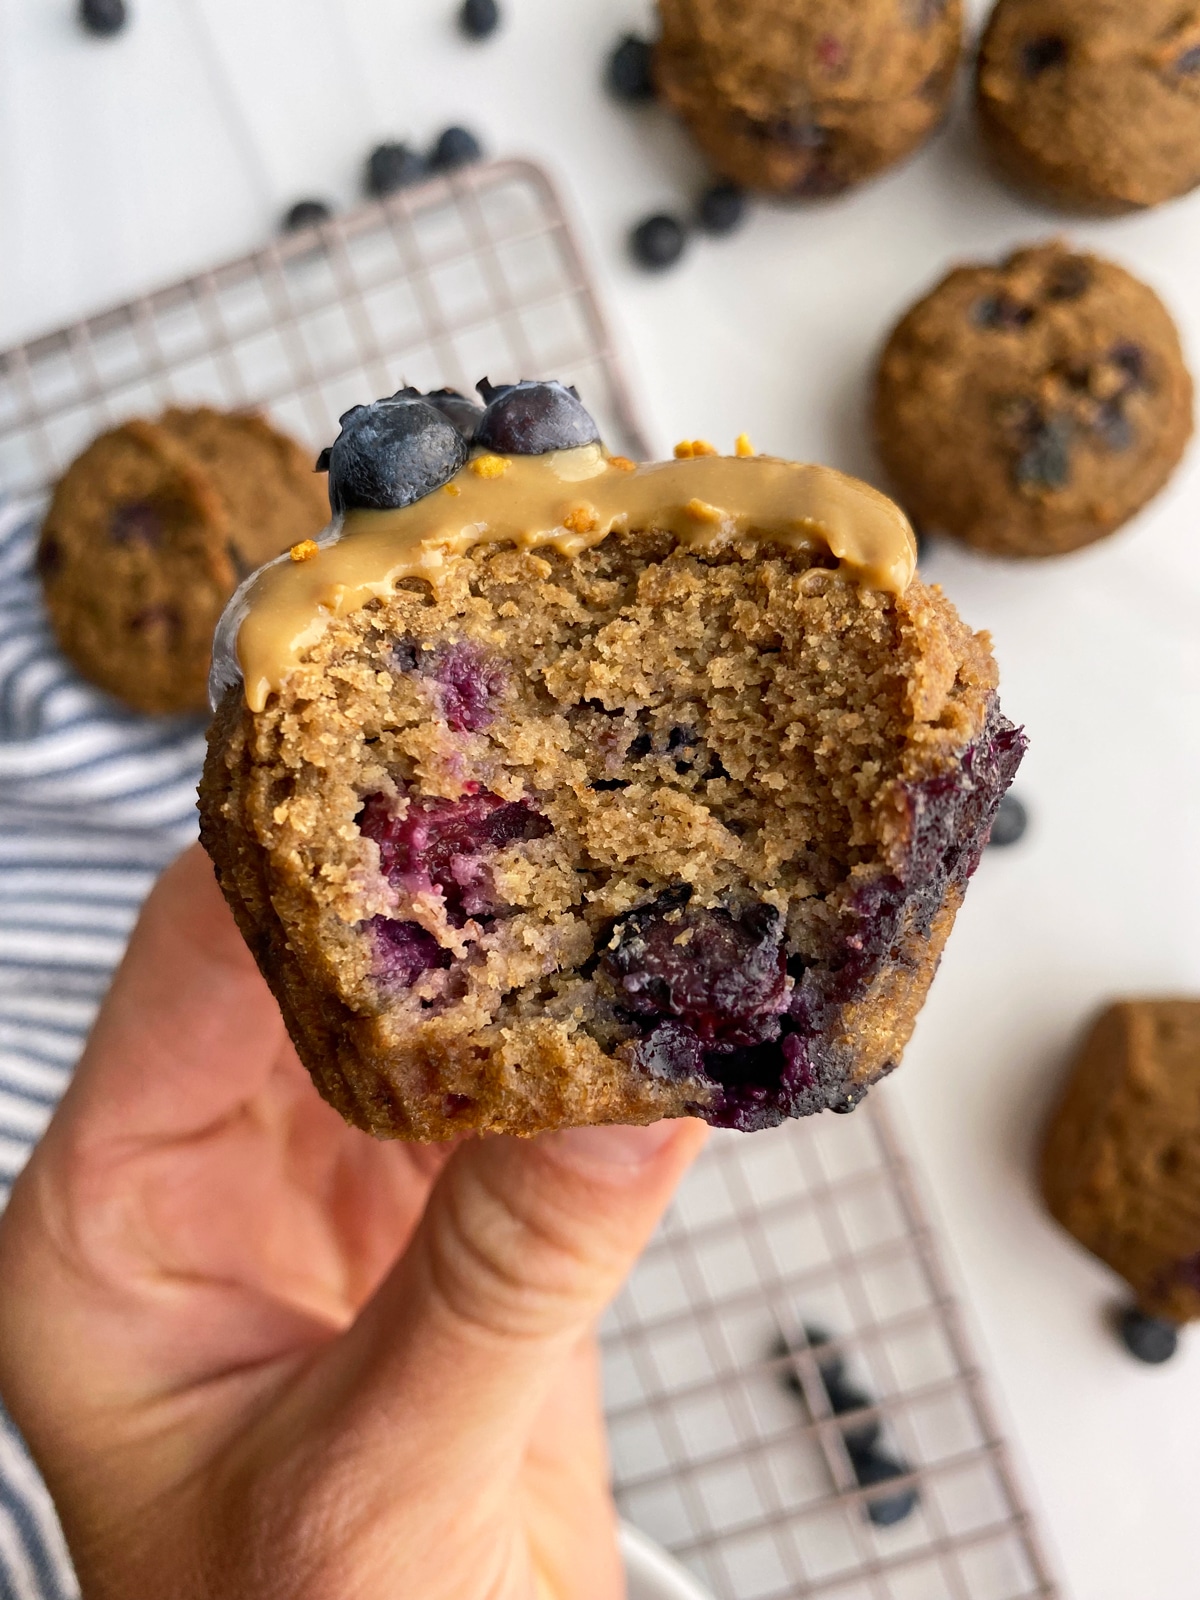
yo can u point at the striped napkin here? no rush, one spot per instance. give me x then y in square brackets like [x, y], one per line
[94, 802]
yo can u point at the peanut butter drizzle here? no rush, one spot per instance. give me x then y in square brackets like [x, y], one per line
[569, 500]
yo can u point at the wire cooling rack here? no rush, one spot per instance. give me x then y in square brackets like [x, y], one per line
[475, 275]
[787, 1253]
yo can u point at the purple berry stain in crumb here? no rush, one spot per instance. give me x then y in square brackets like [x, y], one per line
[135, 523]
[1045, 461]
[468, 683]
[832, 54]
[466, 679]
[724, 977]
[1039, 55]
[1189, 62]
[405, 950]
[444, 845]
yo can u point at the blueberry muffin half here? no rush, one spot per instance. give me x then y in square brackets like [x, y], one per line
[552, 789]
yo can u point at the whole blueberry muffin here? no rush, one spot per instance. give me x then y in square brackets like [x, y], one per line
[1120, 1166]
[807, 97]
[1095, 103]
[550, 789]
[1033, 407]
[150, 531]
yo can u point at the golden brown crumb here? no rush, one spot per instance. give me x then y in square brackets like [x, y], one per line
[622, 463]
[581, 519]
[305, 550]
[742, 445]
[489, 466]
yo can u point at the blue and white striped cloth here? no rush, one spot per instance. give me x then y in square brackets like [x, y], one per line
[94, 801]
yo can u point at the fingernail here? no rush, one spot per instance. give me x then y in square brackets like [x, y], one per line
[612, 1146]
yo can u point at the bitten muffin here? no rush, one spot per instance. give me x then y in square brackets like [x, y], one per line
[596, 793]
[1120, 1166]
[148, 534]
[1094, 103]
[807, 97]
[1032, 407]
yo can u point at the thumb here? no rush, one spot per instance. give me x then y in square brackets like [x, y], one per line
[522, 1244]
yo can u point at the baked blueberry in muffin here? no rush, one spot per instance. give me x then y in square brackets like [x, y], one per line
[580, 791]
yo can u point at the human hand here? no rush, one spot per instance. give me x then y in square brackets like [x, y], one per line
[260, 1356]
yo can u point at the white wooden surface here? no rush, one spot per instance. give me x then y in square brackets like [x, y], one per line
[125, 163]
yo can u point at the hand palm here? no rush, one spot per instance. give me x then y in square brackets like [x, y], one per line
[223, 1229]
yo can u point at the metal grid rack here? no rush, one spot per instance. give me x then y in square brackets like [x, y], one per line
[724, 1444]
[744, 1476]
[465, 277]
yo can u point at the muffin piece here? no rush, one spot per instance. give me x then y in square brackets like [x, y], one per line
[807, 97]
[148, 534]
[1121, 1161]
[1094, 103]
[1033, 407]
[606, 794]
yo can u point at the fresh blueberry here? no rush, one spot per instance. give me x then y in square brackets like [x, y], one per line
[456, 408]
[630, 73]
[390, 454]
[479, 18]
[1012, 820]
[874, 1466]
[455, 147]
[722, 976]
[721, 208]
[1040, 54]
[103, 17]
[658, 242]
[531, 418]
[393, 166]
[1151, 1339]
[1131, 359]
[306, 214]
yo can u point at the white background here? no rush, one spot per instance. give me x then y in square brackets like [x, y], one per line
[126, 163]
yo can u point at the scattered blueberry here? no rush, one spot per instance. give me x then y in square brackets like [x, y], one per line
[1189, 61]
[845, 1399]
[630, 74]
[873, 1466]
[103, 17]
[1040, 54]
[1150, 1339]
[531, 418]
[390, 454]
[722, 208]
[658, 242]
[479, 18]
[456, 408]
[1012, 820]
[306, 214]
[393, 166]
[455, 147]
